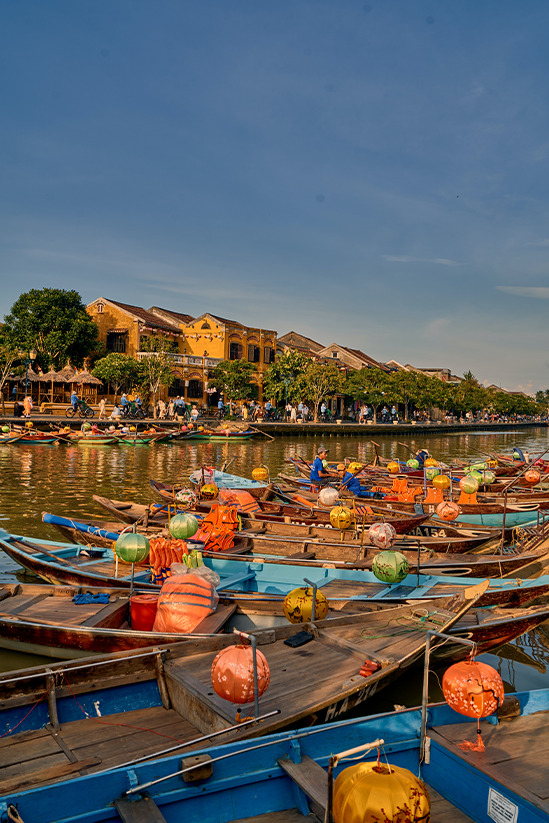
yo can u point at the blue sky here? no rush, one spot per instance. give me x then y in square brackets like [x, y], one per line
[369, 173]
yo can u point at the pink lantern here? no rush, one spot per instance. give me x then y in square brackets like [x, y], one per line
[233, 674]
[382, 535]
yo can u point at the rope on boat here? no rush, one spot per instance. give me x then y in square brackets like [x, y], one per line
[416, 621]
[14, 815]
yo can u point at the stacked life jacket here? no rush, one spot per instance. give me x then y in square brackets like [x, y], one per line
[218, 528]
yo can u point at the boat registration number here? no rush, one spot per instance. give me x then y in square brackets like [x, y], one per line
[500, 808]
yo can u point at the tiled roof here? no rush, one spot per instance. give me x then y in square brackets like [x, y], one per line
[181, 318]
[146, 316]
[317, 346]
[364, 357]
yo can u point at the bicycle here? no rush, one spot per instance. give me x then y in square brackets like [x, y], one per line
[133, 411]
[82, 410]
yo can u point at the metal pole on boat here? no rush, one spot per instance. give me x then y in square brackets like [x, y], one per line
[253, 641]
[314, 588]
[423, 756]
[418, 556]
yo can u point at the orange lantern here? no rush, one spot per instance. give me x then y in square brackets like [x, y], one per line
[233, 674]
[448, 510]
[393, 468]
[430, 462]
[474, 689]
[532, 476]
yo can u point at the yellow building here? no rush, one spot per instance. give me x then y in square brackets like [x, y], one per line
[201, 343]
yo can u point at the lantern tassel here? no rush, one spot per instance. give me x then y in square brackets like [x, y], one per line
[479, 746]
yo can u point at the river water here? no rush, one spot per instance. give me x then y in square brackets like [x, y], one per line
[62, 479]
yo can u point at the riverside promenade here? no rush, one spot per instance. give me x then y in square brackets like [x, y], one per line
[44, 422]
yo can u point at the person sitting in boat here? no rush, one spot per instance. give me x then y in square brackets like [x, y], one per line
[319, 475]
[421, 457]
[350, 481]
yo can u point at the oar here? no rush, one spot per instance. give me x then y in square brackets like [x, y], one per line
[260, 432]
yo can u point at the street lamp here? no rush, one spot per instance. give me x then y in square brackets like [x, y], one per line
[31, 357]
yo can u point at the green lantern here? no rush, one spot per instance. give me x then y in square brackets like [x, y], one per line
[412, 463]
[132, 547]
[487, 477]
[183, 526]
[390, 566]
[431, 472]
[476, 475]
[468, 484]
[86, 427]
[6, 429]
[477, 467]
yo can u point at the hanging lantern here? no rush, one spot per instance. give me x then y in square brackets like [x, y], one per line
[371, 792]
[183, 526]
[448, 510]
[209, 491]
[393, 467]
[5, 429]
[260, 474]
[532, 476]
[201, 428]
[476, 467]
[341, 517]
[186, 497]
[487, 478]
[355, 467]
[390, 566]
[468, 484]
[132, 547]
[476, 475]
[516, 455]
[441, 481]
[298, 605]
[431, 472]
[412, 463]
[382, 535]
[133, 428]
[233, 674]
[86, 427]
[472, 688]
[29, 424]
[328, 496]
[492, 464]
[430, 462]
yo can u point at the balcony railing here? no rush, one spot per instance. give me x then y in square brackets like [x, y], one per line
[185, 359]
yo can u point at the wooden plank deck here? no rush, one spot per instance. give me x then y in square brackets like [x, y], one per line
[516, 755]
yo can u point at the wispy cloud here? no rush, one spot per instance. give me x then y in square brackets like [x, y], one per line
[540, 292]
[539, 244]
[439, 261]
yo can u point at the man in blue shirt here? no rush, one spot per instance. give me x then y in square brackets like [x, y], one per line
[319, 476]
[74, 400]
[350, 481]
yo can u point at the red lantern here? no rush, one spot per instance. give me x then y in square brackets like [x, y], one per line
[233, 674]
[474, 689]
[532, 477]
[448, 510]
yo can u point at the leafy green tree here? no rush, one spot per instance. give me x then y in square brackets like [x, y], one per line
[8, 355]
[55, 323]
[233, 378]
[120, 370]
[279, 380]
[371, 386]
[156, 369]
[318, 382]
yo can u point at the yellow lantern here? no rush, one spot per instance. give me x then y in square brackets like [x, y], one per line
[132, 428]
[341, 517]
[371, 792]
[430, 462]
[393, 468]
[260, 474]
[441, 481]
[209, 491]
[492, 464]
[29, 424]
[355, 467]
[298, 605]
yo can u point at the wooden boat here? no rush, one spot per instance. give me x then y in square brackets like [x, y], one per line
[316, 545]
[74, 564]
[302, 512]
[222, 435]
[207, 474]
[434, 537]
[142, 754]
[171, 687]
[30, 437]
[40, 618]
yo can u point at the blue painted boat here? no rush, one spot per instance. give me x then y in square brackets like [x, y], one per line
[282, 777]
[75, 564]
[224, 480]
